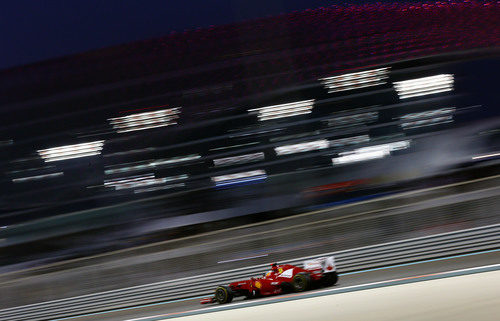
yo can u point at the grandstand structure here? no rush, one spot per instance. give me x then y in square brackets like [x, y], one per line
[244, 116]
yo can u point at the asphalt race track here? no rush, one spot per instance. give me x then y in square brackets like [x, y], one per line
[466, 297]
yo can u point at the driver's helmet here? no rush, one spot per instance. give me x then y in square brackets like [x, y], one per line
[274, 267]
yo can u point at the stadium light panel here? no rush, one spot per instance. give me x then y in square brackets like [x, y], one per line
[238, 178]
[353, 120]
[284, 110]
[356, 80]
[157, 188]
[349, 141]
[369, 153]
[427, 118]
[71, 151]
[141, 181]
[240, 159]
[424, 86]
[359, 156]
[147, 120]
[302, 147]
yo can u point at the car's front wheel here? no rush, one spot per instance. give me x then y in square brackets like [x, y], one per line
[223, 294]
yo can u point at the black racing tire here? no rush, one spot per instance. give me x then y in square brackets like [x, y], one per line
[329, 279]
[301, 282]
[223, 294]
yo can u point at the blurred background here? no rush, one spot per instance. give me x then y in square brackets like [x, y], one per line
[261, 133]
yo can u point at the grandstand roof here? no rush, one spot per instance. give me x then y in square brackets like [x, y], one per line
[270, 52]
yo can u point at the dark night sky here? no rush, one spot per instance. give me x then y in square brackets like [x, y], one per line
[36, 30]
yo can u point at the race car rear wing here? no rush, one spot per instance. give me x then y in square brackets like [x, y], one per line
[327, 264]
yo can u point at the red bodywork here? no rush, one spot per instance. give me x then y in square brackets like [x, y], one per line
[271, 282]
[278, 280]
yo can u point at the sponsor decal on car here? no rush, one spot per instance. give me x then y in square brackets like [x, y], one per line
[287, 274]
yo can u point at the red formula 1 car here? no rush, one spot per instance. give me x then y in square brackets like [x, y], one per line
[282, 278]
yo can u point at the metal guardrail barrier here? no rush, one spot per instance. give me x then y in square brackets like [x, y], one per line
[445, 244]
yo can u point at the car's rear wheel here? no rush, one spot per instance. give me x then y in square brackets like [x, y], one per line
[301, 282]
[329, 279]
[223, 294]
